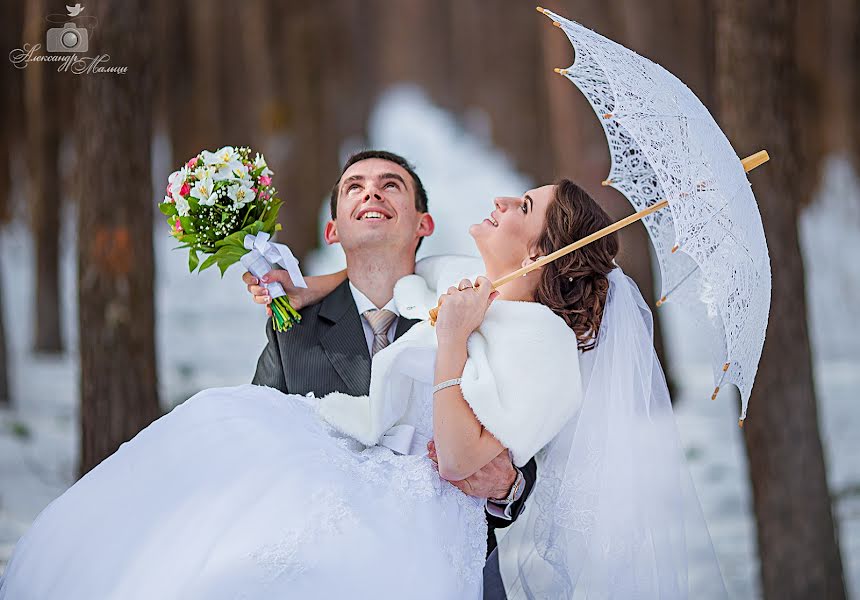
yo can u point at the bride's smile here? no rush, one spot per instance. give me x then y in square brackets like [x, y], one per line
[507, 237]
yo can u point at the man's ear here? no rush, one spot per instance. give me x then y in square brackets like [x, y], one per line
[426, 226]
[330, 234]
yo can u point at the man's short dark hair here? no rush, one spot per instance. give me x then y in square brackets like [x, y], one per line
[420, 192]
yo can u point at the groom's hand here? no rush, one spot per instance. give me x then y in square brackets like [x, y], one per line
[493, 481]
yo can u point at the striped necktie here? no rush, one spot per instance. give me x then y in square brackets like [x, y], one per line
[380, 321]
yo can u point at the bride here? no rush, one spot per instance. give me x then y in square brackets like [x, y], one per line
[246, 492]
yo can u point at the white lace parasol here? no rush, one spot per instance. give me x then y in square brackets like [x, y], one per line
[665, 145]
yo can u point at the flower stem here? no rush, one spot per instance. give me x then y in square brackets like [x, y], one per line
[284, 316]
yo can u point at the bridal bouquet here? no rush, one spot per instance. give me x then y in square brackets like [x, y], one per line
[222, 204]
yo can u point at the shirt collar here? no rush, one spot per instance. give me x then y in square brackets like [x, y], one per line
[363, 303]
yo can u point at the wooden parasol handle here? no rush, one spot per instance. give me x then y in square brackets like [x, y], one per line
[749, 163]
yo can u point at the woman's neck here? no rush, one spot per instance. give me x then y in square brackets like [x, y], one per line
[521, 289]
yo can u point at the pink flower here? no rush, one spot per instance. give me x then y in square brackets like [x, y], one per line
[191, 163]
[185, 189]
[167, 191]
[177, 227]
[265, 180]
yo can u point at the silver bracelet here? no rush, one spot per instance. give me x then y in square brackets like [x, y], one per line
[446, 384]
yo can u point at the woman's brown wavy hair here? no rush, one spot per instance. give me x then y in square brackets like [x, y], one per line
[575, 286]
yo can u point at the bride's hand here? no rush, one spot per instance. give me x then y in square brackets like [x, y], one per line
[462, 309]
[319, 287]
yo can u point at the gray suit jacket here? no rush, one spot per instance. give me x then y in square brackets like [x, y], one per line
[325, 352]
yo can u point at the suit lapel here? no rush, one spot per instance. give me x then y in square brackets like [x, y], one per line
[344, 341]
[404, 325]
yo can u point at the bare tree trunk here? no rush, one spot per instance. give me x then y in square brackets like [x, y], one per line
[43, 139]
[497, 48]
[11, 110]
[312, 164]
[757, 79]
[854, 69]
[115, 267]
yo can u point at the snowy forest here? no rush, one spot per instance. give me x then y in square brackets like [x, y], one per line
[103, 330]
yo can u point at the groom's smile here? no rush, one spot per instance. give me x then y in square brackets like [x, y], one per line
[376, 206]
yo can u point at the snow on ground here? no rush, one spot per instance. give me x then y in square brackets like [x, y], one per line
[209, 334]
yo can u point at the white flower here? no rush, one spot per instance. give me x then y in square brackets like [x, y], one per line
[209, 158]
[232, 170]
[182, 206]
[176, 179]
[201, 172]
[204, 191]
[259, 161]
[241, 194]
[227, 154]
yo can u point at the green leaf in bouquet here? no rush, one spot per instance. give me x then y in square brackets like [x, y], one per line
[234, 239]
[224, 263]
[211, 260]
[168, 208]
[193, 260]
[188, 238]
[187, 224]
[271, 216]
[194, 203]
[257, 172]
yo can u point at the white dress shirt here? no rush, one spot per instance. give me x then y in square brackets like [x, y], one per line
[363, 303]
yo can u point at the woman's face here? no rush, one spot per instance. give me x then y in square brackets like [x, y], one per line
[507, 237]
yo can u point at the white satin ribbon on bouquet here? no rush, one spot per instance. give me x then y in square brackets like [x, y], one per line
[263, 254]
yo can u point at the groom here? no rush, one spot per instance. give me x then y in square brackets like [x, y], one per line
[379, 216]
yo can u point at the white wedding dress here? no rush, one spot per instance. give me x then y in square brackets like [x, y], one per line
[249, 493]
[244, 493]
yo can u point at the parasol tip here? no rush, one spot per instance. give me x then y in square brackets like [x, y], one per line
[716, 391]
[725, 367]
[540, 9]
[606, 182]
[675, 248]
[556, 23]
[661, 301]
[755, 160]
[560, 71]
[741, 423]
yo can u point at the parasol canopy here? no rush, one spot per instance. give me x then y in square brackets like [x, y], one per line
[665, 146]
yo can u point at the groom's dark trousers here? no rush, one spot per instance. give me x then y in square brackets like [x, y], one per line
[327, 352]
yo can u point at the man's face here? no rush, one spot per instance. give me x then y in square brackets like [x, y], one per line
[376, 209]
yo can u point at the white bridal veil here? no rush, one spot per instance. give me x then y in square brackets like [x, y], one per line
[614, 513]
